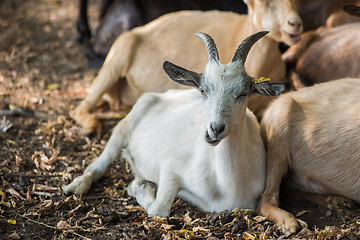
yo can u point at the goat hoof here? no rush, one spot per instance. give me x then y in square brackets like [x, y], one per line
[160, 212]
[90, 123]
[79, 185]
[302, 224]
[337, 203]
[292, 225]
[92, 128]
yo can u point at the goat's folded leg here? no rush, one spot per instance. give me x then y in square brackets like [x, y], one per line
[143, 191]
[330, 201]
[168, 188]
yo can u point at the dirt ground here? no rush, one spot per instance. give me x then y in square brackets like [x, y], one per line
[43, 75]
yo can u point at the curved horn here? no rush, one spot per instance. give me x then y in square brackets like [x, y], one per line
[245, 46]
[210, 46]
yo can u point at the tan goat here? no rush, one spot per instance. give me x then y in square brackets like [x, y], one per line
[312, 137]
[133, 65]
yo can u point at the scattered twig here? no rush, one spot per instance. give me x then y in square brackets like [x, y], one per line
[31, 175]
[47, 194]
[23, 112]
[52, 227]
[32, 220]
[5, 125]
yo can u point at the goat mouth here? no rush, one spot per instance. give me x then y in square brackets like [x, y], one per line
[211, 140]
[294, 37]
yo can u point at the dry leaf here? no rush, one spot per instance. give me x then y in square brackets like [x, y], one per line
[2, 194]
[18, 160]
[187, 218]
[259, 218]
[53, 86]
[12, 221]
[63, 225]
[298, 214]
[14, 236]
[14, 193]
[28, 195]
[248, 236]
[4, 182]
[46, 206]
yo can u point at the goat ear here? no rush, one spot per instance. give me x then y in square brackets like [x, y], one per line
[267, 88]
[181, 75]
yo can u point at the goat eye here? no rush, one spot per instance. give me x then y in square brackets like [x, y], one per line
[241, 96]
[202, 92]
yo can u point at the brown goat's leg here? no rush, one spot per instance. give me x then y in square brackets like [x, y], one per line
[114, 68]
[82, 113]
[88, 121]
[330, 201]
[269, 204]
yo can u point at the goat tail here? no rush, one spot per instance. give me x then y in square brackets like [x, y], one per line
[97, 169]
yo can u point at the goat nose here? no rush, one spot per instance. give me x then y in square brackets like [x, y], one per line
[294, 22]
[217, 129]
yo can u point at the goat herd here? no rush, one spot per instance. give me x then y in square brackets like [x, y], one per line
[205, 144]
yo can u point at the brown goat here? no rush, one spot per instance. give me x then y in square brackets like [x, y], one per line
[325, 54]
[133, 65]
[317, 13]
[312, 137]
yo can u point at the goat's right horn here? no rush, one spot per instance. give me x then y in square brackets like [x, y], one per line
[210, 46]
[245, 46]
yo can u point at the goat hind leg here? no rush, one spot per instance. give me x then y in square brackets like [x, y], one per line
[330, 201]
[168, 188]
[143, 191]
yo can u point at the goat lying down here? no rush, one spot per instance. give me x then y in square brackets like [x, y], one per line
[326, 54]
[162, 138]
[320, 13]
[313, 136]
[133, 65]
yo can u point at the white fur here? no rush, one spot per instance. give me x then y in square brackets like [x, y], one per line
[164, 139]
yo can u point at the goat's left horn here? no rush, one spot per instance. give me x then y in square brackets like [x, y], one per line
[245, 46]
[210, 46]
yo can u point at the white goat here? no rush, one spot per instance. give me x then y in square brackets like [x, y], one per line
[312, 136]
[163, 138]
[133, 65]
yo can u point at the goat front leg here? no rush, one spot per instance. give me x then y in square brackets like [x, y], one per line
[87, 120]
[269, 203]
[168, 188]
[97, 169]
[104, 82]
